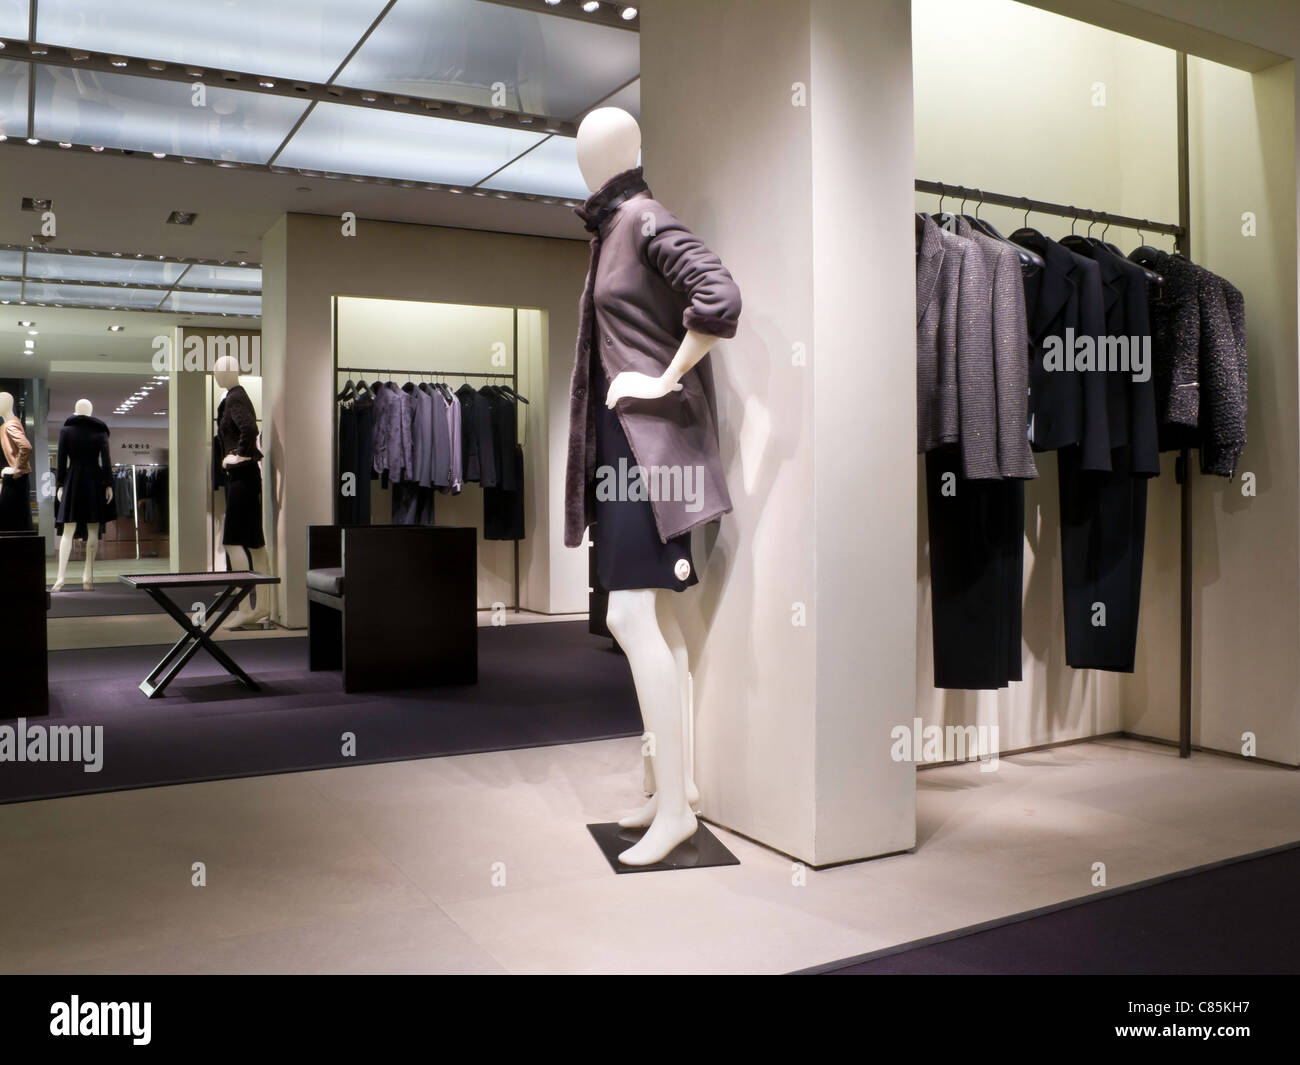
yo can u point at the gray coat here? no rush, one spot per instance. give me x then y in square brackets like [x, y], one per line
[955, 390]
[1010, 339]
[650, 281]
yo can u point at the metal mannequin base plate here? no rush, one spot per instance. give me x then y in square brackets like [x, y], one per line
[702, 850]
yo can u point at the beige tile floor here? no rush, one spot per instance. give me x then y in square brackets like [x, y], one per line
[389, 868]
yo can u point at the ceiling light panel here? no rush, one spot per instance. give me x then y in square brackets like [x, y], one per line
[550, 169]
[305, 39]
[43, 266]
[13, 96]
[247, 279]
[11, 263]
[93, 295]
[13, 18]
[148, 115]
[212, 303]
[461, 49]
[355, 140]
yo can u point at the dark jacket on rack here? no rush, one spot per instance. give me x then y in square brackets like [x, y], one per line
[477, 452]
[955, 391]
[237, 424]
[650, 281]
[1199, 334]
[84, 471]
[1064, 300]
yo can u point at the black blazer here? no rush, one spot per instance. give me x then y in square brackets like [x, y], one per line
[237, 424]
[1065, 406]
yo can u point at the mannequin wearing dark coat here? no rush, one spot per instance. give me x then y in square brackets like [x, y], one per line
[84, 473]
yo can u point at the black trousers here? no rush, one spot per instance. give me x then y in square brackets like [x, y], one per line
[15, 510]
[1103, 529]
[355, 453]
[977, 551]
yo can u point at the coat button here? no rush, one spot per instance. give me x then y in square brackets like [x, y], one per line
[609, 340]
[579, 392]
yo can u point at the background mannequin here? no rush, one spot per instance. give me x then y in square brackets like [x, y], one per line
[242, 535]
[85, 493]
[644, 620]
[15, 510]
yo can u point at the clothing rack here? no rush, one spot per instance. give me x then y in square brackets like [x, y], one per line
[1180, 231]
[512, 375]
[135, 494]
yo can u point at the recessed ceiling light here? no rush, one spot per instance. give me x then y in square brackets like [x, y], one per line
[33, 140]
[182, 218]
[116, 328]
[35, 203]
[33, 333]
[26, 325]
[590, 5]
[628, 13]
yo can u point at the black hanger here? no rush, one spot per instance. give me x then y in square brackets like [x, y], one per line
[349, 391]
[1028, 259]
[513, 394]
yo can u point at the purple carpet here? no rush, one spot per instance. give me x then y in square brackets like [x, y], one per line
[1232, 919]
[539, 684]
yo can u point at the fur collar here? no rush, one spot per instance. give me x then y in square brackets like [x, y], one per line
[609, 197]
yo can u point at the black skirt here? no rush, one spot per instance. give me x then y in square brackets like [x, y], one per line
[629, 553]
[243, 526]
[83, 505]
[15, 511]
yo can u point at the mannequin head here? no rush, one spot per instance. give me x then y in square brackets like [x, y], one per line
[609, 142]
[84, 406]
[6, 405]
[226, 371]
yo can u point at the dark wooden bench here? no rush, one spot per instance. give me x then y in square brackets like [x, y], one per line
[26, 688]
[393, 606]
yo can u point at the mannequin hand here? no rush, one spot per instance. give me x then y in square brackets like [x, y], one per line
[233, 460]
[632, 385]
[108, 495]
[58, 496]
[8, 471]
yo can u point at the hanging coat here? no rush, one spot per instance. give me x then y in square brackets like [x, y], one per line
[650, 281]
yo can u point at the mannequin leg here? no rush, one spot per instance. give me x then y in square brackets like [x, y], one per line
[88, 573]
[259, 561]
[632, 619]
[666, 602]
[65, 553]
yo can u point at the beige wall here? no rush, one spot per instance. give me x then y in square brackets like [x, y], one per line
[306, 261]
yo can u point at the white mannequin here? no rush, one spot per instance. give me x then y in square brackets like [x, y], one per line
[86, 408]
[226, 373]
[644, 621]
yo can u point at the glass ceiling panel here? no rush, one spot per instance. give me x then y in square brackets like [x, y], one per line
[240, 277]
[11, 291]
[13, 98]
[93, 296]
[148, 115]
[212, 303]
[11, 263]
[358, 140]
[94, 268]
[458, 49]
[305, 39]
[550, 169]
[13, 18]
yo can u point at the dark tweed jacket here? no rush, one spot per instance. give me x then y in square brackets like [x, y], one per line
[1198, 327]
[650, 280]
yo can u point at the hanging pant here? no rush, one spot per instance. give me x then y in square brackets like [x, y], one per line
[1103, 529]
[976, 574]
[355, 454]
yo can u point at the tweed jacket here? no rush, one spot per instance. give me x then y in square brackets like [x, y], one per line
[955, 385]
[237, 424]
[1199, 340]
[650, 281]
[1010, 351]
[391, 434]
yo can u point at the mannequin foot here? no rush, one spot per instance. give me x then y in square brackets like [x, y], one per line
[643, 817]
[661, 838]
[88, 585]
[246, 619]
[57, 586]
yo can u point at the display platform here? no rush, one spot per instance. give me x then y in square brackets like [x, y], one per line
[701, 851]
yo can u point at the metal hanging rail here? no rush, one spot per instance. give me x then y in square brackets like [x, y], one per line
[1025, 203]
[374, 371]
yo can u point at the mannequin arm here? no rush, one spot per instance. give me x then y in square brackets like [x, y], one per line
[634, 385]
